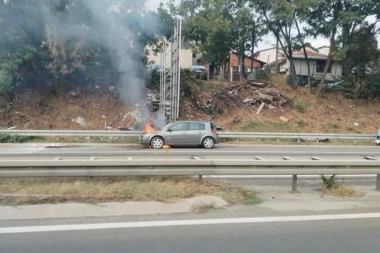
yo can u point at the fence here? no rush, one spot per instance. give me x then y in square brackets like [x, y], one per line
[186, 167]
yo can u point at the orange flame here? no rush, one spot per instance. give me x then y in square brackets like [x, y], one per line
[149, 128]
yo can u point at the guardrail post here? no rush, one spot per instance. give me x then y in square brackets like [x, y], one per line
[294, 184]
[378, 182]
[200, 179]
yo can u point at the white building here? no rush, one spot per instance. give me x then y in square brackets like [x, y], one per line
[317, 60]
[317, 63]
[186, 56]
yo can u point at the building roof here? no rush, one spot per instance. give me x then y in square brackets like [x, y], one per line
[280, 62]
[311, 55]
[250, 58]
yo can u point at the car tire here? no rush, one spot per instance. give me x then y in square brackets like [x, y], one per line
[208, 142]
[157, 143]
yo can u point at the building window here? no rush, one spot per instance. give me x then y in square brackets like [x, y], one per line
[321, 66]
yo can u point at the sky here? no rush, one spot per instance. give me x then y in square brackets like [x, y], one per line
[268, 41]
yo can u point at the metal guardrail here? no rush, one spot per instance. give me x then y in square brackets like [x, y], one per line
[299, 136]
[59, 167]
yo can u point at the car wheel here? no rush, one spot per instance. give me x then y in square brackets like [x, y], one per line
[208, 142]
[157, 143]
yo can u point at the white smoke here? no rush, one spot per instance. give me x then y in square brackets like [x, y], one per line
[118, 37]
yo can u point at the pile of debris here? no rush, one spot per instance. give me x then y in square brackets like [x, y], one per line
[246, 93]
[256, 93]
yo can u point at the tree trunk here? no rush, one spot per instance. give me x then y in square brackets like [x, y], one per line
[253, 45]
[293, 74]
[242, 71]
[306, 57]
[328, 62]
[221, 74]
[345, 67]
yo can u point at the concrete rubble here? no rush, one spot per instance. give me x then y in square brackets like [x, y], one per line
[81, 121]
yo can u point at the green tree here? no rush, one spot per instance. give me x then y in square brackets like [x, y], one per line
[73, 42]
[19, 39]
[279, 17]
[338, 20]
[216, 27]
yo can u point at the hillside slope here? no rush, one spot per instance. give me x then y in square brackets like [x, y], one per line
[101, 109]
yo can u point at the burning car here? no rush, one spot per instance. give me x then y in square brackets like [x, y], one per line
[181, 133]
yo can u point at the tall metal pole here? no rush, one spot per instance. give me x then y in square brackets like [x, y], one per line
[179, 64]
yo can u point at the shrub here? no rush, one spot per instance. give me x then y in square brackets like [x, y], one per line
[329, 182]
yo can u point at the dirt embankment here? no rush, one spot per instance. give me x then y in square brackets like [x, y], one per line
[235, 106]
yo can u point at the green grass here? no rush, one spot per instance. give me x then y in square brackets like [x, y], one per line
[269, 126]
[300, 106]
[12, 138]
[249, 197]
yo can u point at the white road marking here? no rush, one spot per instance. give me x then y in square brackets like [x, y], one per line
[147, 224]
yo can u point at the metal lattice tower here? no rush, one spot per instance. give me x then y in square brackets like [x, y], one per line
[170, 76]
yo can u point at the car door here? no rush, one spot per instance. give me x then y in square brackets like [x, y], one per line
[176, 134]
[195, 133]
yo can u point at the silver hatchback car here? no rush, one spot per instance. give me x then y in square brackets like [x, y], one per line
[182, 133]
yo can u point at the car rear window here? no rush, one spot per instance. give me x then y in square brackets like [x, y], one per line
[197, 126]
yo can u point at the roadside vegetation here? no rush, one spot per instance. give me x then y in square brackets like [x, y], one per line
[8, 138]
[332, 187]
[23, 191]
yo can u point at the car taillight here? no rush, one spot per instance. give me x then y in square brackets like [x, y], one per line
[213, 131]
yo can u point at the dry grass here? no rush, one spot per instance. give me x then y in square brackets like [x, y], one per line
[96, 190]
[332, 113]
[92, 139]
[249, 141]
[342, 191]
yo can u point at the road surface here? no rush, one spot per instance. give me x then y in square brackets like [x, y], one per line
[220, 150]
[338, 236]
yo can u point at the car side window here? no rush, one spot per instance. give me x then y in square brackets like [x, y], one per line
[197, 126]
[179, 127]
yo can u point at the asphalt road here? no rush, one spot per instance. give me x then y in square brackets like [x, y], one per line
[220, 150]
[338, 236]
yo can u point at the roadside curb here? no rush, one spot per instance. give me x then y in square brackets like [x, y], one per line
[74, 210]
